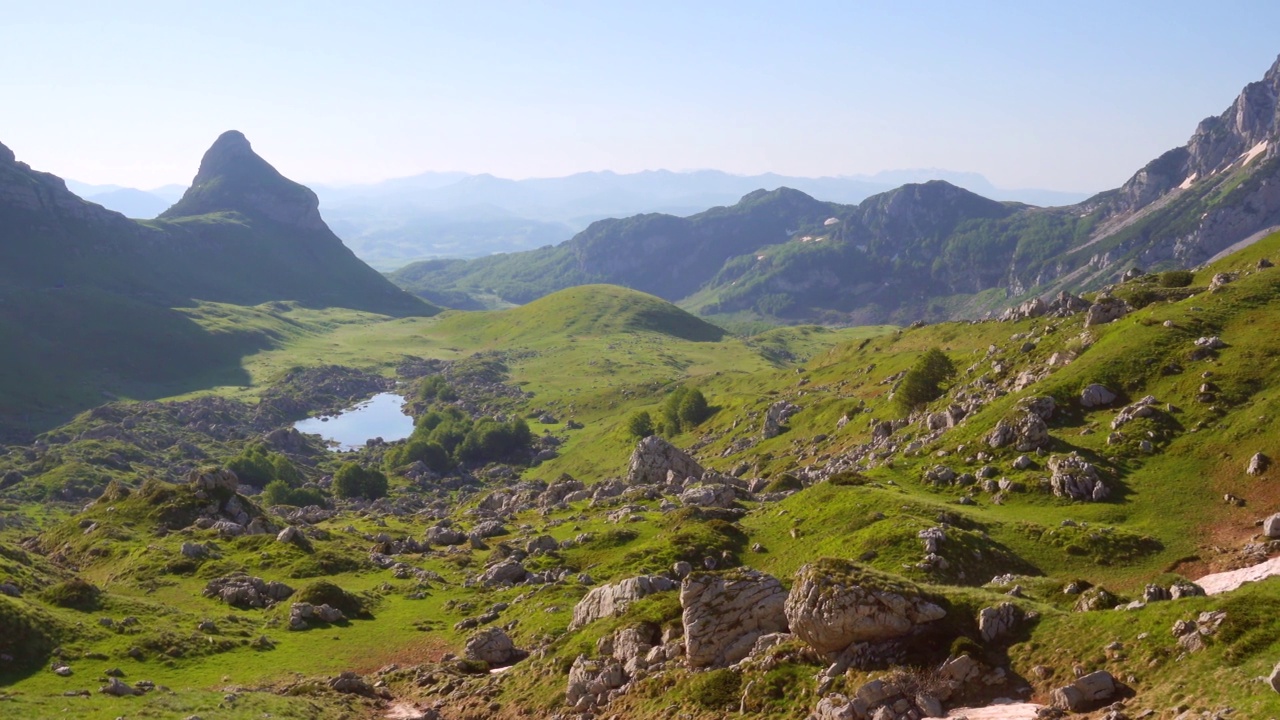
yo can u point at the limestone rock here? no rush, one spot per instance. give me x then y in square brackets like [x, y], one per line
[654, 457]
[1105, 310]
[443, 535]
[1271, 526]
[1027, 431]
[216, 480]
[613, 600]
[1073, 477]
[1085, 693]
[493, 646]
[1258, 464]
[506, 572]
[1001, 621]
[717, 496]
[1096, 395]
[241, 590]
[836, 603]
[119, 689]
[351, 684]
[776, 417]
[724, 614]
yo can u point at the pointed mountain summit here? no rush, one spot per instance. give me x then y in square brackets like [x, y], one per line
[233, 178]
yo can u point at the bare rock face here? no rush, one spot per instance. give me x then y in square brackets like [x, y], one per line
[491, 645]
[724, 614]
[613, 600]
[654, 457]
[1096, 395]
[836, 603]
[1074, 477]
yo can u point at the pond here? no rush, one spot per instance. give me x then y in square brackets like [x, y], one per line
[378, 417]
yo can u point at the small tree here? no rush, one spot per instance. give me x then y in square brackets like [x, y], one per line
[693, 409]
[352, 481]
[922, 383]
[640, 424]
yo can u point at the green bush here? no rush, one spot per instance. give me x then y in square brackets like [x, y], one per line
[435, 387]
[1176, 278]
[26, 634]
[923, 382]
[783, 483]
[277, 492]
[352, 481]
[715, 690]
[684, 409]
[258, 467]
[640, 424]
[76, 594]
[418, 449]
[323, 592]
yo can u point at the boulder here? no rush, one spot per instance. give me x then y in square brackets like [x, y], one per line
[1274, 679]
[491, 645]
[1096, 395]
[444, 535]
[836, 603]
[1105, 310]
[1258, 464]
[716, 496]
[999, 622]
[1075, 478]
[724, 614]
[542, 543]
[220, 480]
[1271, 526]
[119, 689]
[1027, 431]
[654, 457]
[241, 590]
[506, 572]
[351, 684]
[1085, 693]
[776, 417]
[613, 600]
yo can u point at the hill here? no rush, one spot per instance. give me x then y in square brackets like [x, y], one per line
[101, 300]
[927, 251]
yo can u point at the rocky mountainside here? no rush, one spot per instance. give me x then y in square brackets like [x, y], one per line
[934, 251]
[96, 296]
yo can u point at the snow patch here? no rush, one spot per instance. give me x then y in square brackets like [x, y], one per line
[1190, 179]
[1254, 152]
[1222, 582]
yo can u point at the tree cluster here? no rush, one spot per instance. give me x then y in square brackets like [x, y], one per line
[923, 382]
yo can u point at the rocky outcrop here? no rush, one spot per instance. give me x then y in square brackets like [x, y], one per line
[1085, 693]
[214, 481]
[1075, 478]
[1096, 395]
[836, 603]
[1027, 431]
[710, 495]
[776, 417]
[241, 590]
[1106, 310]
[654, 457]
[724, 614]
[493, 646]
[303, 615]
[613, 600]
[1258, 464]
[505, 572]
[999, 622]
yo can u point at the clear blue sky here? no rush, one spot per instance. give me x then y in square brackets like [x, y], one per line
[1060, 95]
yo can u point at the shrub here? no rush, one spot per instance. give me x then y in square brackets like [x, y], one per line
[75, 593]
[418, 449]
[684, 409]
[277, 492]
[323, 592]
[922, 383]
[258, 467]
[783, 483]
[26, 634]
[716, 690]
[640, 424]
[435, 387]
[352, 481]
[1176, 278]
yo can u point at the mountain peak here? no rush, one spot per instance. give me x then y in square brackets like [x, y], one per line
[6, 155]
[233, 178]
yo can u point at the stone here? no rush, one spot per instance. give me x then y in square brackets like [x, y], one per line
[654, 457]
[505, 572]
[220, 480]
[542, 543]
[290, 535]
[715, 496]
[1105, 310]
[1212, 342]
[195, 551]
[1027, 431]
[444, 535]
[1258, 464]
[119, 689]
[1075, 478]
[776, 417]
[351, 684]
[241, 590]
[1274, 679]
[724, 614]
[1271, 526]
[491, 645]
[1022, 462]
[836, 603]
[1096, 395]
[613, 600]
[999, 622]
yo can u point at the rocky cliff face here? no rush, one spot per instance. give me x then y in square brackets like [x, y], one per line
[32, 192]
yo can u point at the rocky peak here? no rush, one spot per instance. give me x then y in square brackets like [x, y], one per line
[6, 155]
[233, 178]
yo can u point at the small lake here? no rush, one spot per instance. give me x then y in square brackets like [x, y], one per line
[377, 417]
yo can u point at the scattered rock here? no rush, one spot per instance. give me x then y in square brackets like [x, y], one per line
[1096, 395]
[654, 457]
[491, 645]
[1073, 477]
[1258, 464]
[613, 600]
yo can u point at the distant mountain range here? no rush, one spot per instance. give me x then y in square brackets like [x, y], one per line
[930, 250]
[458, 215]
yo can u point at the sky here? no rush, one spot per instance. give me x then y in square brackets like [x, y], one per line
[1072, 96]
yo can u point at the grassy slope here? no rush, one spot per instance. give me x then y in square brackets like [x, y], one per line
[594, 356]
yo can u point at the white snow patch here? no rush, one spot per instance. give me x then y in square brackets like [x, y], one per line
[1004, 711]
[1222, 582]
[1254, 152]
[1190, 179]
